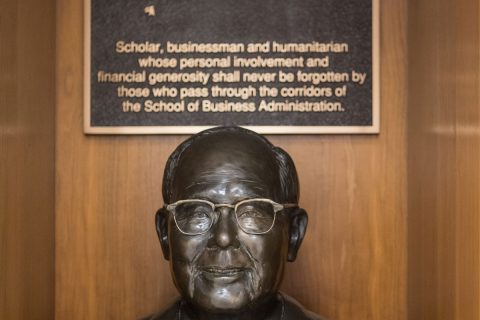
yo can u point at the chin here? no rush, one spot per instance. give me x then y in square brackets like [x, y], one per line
[223, 305]
[221, 298]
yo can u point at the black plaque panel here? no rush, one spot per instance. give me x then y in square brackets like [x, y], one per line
[283, 66]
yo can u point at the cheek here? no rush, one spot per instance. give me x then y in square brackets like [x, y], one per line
[184, 250]
[269, 253]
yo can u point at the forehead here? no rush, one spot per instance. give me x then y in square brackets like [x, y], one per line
[228, 166]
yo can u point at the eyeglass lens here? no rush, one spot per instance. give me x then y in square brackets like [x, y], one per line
[196, 217]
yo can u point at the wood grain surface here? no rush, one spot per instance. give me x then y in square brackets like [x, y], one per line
[27, 122]
[364, 257]
[108, 260]
[444, 160]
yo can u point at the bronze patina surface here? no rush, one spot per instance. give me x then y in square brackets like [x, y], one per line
[230, 222]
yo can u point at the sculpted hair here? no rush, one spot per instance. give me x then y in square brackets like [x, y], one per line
[286, 169]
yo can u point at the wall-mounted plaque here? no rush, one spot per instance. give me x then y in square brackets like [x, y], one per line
[180, 66]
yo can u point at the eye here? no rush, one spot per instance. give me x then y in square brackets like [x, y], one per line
[255, 209]
[193, 217]
[199, 213]
[255, 216]
[250, 213]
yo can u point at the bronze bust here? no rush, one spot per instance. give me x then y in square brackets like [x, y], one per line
[230, 222]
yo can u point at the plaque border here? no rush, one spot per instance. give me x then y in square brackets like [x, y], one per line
[180, 129]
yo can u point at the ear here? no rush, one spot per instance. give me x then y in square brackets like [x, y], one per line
[298, 227]
[161, 223]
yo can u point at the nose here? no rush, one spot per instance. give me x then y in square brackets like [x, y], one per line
[225, 230]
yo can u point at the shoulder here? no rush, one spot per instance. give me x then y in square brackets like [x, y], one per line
[291, 310]
[294, 310]
[170, 313]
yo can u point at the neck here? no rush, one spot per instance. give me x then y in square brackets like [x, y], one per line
[271, 309]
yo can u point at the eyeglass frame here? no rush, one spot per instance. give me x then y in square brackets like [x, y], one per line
[276, 208]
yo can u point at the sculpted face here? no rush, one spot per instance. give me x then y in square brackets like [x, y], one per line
[226, 269]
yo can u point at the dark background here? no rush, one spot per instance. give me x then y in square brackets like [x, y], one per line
[232, 21]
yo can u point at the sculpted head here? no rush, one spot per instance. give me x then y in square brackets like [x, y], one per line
[231, 219]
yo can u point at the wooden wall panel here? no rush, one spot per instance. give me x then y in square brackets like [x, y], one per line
[108, 188]
[27, 122]
[467, 147]
[444, 160]
[109, 265]
[353, 262]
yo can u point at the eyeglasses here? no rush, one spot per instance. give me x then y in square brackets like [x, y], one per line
[253, 216]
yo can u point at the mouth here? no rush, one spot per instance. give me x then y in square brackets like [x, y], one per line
[223, 274]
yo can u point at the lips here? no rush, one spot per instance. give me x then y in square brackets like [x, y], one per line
[223, 274]
[223, 271]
